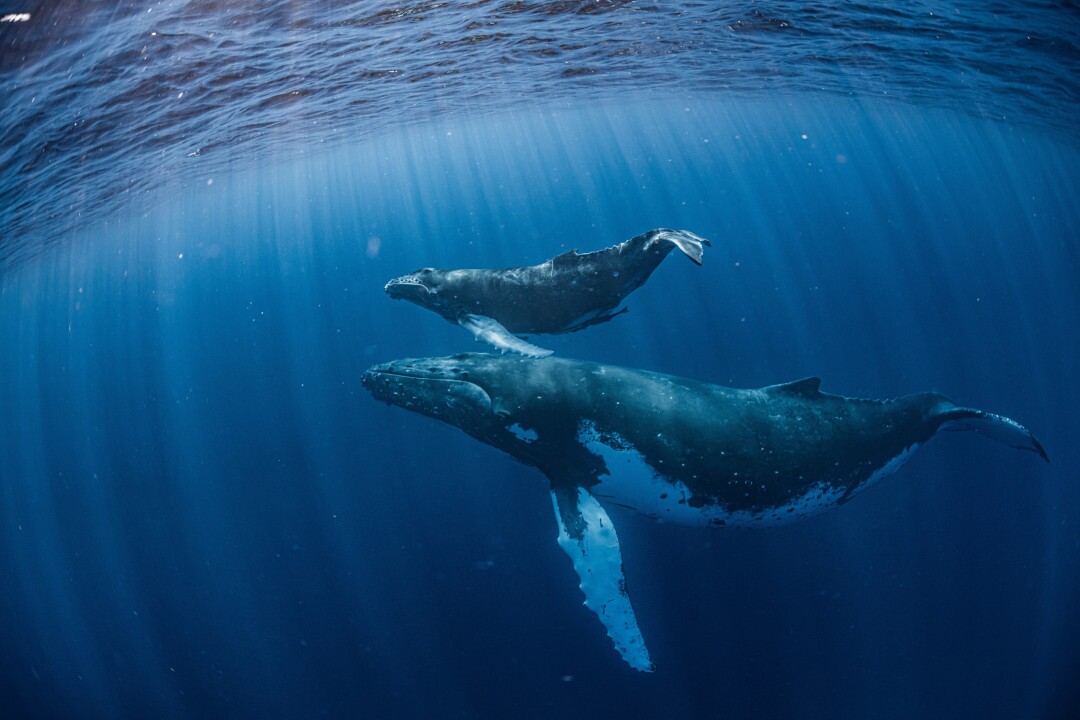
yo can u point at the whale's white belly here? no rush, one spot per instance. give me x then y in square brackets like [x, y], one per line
[632, 482]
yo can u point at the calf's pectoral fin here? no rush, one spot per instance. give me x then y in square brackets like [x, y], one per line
[491, 331]
[588, 537]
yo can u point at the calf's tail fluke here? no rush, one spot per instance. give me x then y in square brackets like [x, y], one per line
[997, 427]
[692, 245]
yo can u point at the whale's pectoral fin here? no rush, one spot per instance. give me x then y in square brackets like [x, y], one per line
[609, 316]
[590, 320]
[588, 537]
[491, 331]
[692, 245]
[997, 427]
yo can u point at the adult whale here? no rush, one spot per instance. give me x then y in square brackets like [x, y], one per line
[671, 448]
[564, 294]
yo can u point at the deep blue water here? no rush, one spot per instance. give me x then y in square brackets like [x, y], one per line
[203, 513]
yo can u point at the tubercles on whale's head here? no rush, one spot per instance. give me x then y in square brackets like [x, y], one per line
[416, 286]
[474, 392]
[436, 387]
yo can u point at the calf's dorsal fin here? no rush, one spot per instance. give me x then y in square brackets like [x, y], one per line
[807, 387]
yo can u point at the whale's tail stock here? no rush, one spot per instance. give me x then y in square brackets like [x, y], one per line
[692, 245]
[997, 427]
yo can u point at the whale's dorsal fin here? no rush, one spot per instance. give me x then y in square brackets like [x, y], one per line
[807, 387]
[491, 331]
[566, 258]
[588, 537]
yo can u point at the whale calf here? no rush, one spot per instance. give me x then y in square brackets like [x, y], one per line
[672, 448]
[564, 294]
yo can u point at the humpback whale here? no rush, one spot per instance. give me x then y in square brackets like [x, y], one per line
[564, 294]
[672, 448]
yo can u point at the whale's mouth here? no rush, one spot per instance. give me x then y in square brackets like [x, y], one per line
[406, 286]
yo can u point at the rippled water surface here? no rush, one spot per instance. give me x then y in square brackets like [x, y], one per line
[105, 101]
[203, 514]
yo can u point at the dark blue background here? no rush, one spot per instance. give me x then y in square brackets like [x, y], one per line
[204, 515]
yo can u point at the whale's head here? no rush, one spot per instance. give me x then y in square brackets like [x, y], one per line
[429, 288]
[499, 400]
[442, 388]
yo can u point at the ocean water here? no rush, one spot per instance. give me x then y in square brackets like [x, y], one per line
[203, 514]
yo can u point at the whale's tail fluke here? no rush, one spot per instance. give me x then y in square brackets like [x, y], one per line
[692, 245]
[998, 427]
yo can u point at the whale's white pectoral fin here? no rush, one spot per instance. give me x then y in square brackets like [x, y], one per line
[588, 537]
[491, 331]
